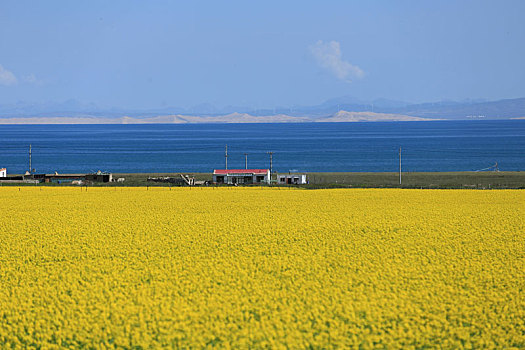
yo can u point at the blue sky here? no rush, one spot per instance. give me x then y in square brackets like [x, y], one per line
[138, 54]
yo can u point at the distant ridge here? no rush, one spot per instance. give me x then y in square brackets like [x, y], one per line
[343, 109]
[341, 116]
[344, 116]
[502, 109]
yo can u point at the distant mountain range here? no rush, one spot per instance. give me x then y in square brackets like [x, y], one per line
[342, 109]
[341, 116]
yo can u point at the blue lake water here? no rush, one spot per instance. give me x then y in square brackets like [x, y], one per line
[426, 146]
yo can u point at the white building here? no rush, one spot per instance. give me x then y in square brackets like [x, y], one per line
[3, 172]
[241, 176]
[292, 179]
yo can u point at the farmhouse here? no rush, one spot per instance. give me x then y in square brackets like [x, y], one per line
[292, 179]
[3, 172]
[241, 176]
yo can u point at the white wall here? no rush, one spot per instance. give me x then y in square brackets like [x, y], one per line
[301, 178]
[228, 179]
[3, 173]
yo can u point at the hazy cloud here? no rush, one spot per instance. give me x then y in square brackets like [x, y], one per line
[32, 79]
[6, 77]
[328, 55]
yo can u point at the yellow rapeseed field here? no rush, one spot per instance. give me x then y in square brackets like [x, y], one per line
[261, 268]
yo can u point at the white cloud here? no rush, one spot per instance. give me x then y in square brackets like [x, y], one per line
[328, 55]
[6, 77]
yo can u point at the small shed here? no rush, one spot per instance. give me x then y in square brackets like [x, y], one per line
[241, 176]
[58, 178]
[3, 172]
[99, 176]
[292, 179]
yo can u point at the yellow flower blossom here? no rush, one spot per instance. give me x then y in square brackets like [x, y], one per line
[261, 268]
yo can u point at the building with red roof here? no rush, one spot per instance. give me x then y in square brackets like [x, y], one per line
[241, 176]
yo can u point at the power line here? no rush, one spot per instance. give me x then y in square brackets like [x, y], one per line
[30, 156]
[226, 157]
[271, 161]
[493, 168]
[400, 165]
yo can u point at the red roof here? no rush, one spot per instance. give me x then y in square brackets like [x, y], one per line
[240, 171]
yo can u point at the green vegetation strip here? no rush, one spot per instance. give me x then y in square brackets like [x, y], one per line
[473, 180]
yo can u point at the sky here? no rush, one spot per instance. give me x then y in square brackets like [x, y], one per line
[140, 55]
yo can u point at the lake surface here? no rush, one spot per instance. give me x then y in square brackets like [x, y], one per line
[426, 146]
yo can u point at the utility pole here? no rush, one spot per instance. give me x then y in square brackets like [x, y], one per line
[271, 162]
[30, 165]
[400, 165]
[226, 156]
[245, 160]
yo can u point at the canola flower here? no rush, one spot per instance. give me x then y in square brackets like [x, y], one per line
[261, 268]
